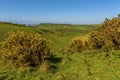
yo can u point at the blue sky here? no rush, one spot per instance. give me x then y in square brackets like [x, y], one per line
[58, 11]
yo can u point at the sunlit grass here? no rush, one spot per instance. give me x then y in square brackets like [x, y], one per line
[88, 65]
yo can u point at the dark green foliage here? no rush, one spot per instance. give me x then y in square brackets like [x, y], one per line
[22, 49]
[13, 24]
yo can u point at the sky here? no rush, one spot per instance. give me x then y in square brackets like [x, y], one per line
[58, 11]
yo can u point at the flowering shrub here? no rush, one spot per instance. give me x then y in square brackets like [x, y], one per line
[107, 36]
[22, 49]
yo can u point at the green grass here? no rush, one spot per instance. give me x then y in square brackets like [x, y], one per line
[88, 65]
[62, 34]
[78, 66]
[4, 29]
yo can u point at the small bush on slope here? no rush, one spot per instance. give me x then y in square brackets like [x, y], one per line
[79, 44]
[22, 49]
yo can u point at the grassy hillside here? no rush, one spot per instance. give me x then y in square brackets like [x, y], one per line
[87, 65]
[90, 65]
[59, 34]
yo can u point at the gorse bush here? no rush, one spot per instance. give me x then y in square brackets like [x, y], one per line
[104, 38]
[21, 49]
[107, 36]
[79, 44]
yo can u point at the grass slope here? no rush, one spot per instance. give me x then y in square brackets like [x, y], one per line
[59, 34]
[78, 66]
[89, 65]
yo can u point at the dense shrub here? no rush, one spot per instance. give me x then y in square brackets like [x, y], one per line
[22, 49]
[79, 44]
[107, 36]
